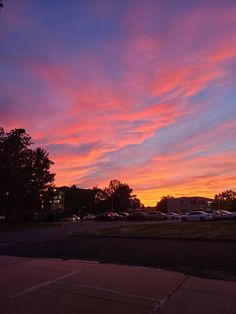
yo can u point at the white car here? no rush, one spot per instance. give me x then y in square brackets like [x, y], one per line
[173, 216]
[215, 213]
[233, 215]
[197, 216]
[225, 214]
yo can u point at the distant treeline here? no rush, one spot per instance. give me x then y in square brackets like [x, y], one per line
[26, 183]
[116, 197]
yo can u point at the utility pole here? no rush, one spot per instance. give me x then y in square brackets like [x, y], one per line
[112, 203]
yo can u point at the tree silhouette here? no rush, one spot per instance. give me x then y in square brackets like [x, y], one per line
[24, 173]
[225, 200]
[119, 195]
[162, 205]
[116, 197]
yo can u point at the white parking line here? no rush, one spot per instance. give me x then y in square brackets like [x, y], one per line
[44, 284]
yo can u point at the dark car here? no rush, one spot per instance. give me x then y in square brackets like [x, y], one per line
[156, 215]
[137, 216]
[124, 215]
[107, 216]
[117, 216]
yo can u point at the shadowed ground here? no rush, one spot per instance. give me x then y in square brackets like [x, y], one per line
[202, 258]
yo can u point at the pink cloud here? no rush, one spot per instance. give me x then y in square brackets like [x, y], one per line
[158, 74]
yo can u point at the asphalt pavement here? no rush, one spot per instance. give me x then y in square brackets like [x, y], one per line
[62, 230]
[207, 259]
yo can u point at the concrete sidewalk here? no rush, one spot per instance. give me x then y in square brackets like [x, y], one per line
[43, 286]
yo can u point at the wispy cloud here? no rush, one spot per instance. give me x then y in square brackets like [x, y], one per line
[142, 93]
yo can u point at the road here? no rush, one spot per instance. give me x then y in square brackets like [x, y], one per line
[210, 259]
[62, 231]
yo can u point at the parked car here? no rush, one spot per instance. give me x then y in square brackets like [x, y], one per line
[89, 217]
[137, 216]
[124, 215]
[233, 215]
[107, 216]
[156, 215]
[173, 216]
[215, 213]
[197, 216]
[225, 214]
[117, 216]
[183, 214]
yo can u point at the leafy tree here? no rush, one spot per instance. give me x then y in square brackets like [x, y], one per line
[119, 195]
[116, 197]
[225, 200]
[163, 204]
[135, 202]
[24, 172]
[101, 200]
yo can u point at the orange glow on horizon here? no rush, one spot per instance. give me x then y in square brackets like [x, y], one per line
[139, 92]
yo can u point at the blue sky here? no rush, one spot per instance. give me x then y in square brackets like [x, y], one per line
[139, 91]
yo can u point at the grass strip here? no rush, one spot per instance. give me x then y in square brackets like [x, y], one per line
[215, 230]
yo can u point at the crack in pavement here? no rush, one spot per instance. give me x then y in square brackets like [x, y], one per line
[157, 306]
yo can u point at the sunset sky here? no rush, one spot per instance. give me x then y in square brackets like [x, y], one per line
[136, 90]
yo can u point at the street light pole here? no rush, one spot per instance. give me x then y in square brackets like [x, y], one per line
[112, 203]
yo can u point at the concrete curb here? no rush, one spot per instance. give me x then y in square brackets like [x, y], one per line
[75, 234]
